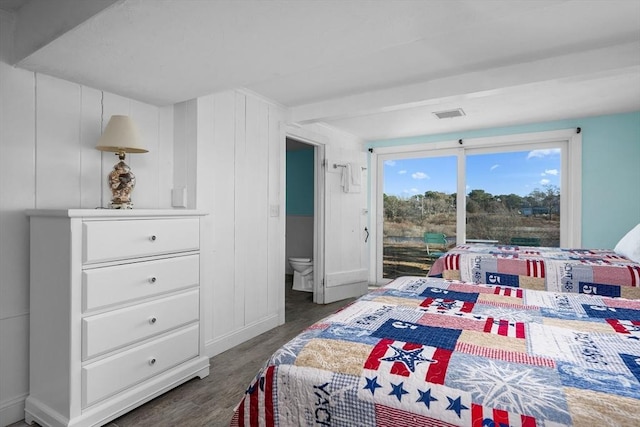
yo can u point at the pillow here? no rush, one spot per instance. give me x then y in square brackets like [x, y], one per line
[629, 245]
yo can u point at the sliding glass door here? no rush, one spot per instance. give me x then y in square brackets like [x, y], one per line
[419, 196]
[522, 190]
[513, 197]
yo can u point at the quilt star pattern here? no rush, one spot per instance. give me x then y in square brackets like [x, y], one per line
[437, 352]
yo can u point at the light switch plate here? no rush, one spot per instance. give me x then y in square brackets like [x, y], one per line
[179, 197]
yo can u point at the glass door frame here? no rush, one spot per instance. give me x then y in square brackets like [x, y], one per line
[568, 140]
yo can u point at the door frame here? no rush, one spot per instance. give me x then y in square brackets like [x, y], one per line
[571, 199]
[319, 145]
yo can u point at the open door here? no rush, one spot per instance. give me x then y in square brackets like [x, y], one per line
[344, 273]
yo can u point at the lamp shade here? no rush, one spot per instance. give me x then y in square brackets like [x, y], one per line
[121, 136]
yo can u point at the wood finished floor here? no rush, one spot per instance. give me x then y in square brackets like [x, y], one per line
[210, 401]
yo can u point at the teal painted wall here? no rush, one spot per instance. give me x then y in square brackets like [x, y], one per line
[300, 182]
[610, 170]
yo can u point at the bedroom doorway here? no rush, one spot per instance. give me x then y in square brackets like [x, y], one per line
[300, 223]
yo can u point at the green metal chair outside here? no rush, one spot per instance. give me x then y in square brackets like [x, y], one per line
[437, 240]
[525, 241]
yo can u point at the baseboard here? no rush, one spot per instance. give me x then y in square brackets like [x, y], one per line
[12, 410]
[230, 340]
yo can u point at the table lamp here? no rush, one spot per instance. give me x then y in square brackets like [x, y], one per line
[121, 136]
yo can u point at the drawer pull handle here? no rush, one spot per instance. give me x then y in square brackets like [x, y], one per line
[152, 362]
[153, 238]
[153, 280]
[153, 320]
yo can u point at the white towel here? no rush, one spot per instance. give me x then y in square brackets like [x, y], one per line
[356, 174]
[346, 178]
[351, 178]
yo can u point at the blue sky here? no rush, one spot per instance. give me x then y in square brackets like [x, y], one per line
[518, 172]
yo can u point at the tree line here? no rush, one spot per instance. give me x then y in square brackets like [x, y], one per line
[420, 206]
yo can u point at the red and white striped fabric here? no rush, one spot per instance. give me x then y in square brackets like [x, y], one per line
[487, 417]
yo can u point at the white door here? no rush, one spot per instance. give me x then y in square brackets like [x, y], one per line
[344, 273]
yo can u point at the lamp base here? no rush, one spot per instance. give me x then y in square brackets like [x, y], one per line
[113, 205]
[121, 181]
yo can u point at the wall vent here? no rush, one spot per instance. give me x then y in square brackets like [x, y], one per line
[449, 113]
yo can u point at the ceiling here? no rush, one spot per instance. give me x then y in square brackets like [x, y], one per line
[376, 69]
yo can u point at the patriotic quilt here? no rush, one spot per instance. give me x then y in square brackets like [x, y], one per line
[436, 352]
[581, 271]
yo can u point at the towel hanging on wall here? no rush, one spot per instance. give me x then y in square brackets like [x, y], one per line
[351, 178]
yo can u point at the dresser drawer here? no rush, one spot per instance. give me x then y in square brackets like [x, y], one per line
[114, 240]
[113, 374]
[105, 286]
[117, 328]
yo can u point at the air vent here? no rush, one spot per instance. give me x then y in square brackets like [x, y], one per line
[449, 113]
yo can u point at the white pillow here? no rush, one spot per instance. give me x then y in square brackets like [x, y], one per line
[629, 245]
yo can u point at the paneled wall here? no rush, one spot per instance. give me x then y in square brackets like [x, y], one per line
[48, 131]
[237, 172]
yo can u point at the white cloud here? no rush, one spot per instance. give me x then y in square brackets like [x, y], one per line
[544, 181]
[493, 167]
[543, 153]
[402, 172]
[420, 175]
[390, 162]
[553, 172]
[411, 191]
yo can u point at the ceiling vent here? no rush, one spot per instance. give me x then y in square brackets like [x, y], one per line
[449, 113]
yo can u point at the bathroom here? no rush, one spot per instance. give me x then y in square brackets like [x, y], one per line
[300, 172]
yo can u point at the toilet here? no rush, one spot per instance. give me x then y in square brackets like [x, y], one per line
[302, 274]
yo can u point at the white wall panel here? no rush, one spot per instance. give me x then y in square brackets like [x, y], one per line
[185, 150]
[255, 216]
[17, 192]
[57, 143]
[276, 226]
[91, 178]
[222, 187]
[242, 205]
[165, 156]
[145, 165]
[205, 176]
[17, 188]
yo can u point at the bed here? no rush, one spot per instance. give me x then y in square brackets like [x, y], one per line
[589, 271]
[436, 352]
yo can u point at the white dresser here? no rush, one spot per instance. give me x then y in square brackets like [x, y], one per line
[115, 311]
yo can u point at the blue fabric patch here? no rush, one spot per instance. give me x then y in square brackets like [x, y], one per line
[502, 279]
[604, 312]
[599, 289]
[445, 294]
[633, 363]
[349, 333]
[576, 376]
[399, 330]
